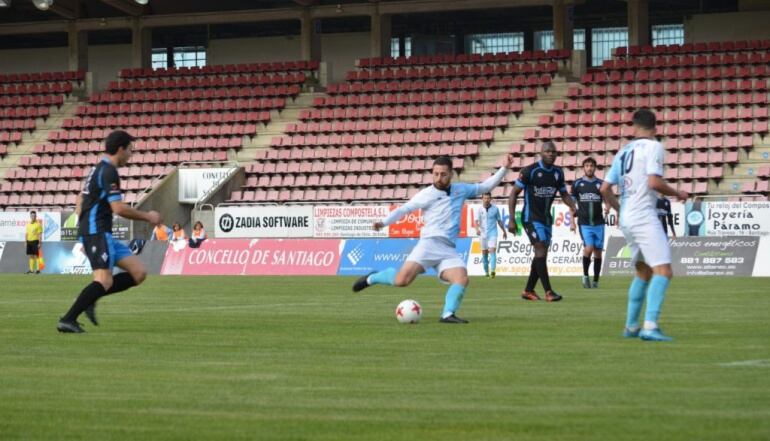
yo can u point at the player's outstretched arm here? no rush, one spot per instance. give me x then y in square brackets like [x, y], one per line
[420, 200]
[609, 196]
[494, 180]
[79, 204]
[123, 210]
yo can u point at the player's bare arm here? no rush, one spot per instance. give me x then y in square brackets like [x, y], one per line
[123, 210]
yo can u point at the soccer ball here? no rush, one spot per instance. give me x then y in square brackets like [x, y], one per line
[408, 311]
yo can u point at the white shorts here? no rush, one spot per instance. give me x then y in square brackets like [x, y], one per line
[648, 243]
[488, 242]
[436, 252]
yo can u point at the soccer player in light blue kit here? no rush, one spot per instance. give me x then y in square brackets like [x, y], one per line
[638, 172]
[488, 218]
[442, 205]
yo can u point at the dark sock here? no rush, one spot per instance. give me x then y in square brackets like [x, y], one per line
[586, 264]
[532, 281]
[121, 282]
[88, 296]
[542, 272]
[597, 268]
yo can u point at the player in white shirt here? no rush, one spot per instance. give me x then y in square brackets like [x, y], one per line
[441, 205]
[638, 172]
[488, 218]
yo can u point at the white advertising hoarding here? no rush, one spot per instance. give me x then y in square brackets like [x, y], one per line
[264, 221]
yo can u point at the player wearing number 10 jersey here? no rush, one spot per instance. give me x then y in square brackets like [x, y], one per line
[638, 172]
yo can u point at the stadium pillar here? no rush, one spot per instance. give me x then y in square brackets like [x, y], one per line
[638, 22]
[141, 45]
[381, 32]
[310, 36]
[563, 25]
[78, 48]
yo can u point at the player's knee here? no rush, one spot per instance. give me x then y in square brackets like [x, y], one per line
[588, 251]
[139, 275]
[643, 271]
[402, 280]
[106, 282]
[597, 254]
[461, 280]
[664, 270]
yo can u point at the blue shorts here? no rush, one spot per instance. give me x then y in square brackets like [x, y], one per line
[592, 235]
[103, 251]
[538, 232]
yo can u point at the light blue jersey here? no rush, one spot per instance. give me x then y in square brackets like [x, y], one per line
[488, 219]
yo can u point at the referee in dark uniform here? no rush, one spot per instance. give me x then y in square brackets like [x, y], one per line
[100, 198]
[539, 182]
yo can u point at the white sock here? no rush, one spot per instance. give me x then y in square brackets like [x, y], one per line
[650, 325]
[369, 280]
[448, 314]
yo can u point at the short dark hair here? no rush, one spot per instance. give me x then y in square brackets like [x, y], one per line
[33, 212]
[443, 160]
[547, 144]
[644, 118]
[589, 160]
[116, 140]
[486, 194]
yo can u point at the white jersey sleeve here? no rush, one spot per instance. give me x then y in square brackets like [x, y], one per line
[631, 169]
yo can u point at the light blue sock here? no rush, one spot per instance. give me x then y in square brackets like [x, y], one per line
[485, 261]
[655, 295]
[384, 277]
[454, 296]
[635, 298]
[493, 259]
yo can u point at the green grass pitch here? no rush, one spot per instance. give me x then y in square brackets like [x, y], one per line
[237, 358]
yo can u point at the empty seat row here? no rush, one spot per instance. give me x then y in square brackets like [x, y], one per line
[24, 112]
[533, 81]
[46, 77]
[661, 102]
[685, 74]
[670, 88]
[392, 99]
[206, 82]
[664, 129]
[398, 124]
[281, 66]
[160, 132]
[555, 54]
[389, 112]
[713, 46]
[31, 100]
[680, 115]
[196, 94]
[35, 89]
[166, 106]
[353, 153]
[756, 58]
[168, 119]
[432, 137]
[486, 70]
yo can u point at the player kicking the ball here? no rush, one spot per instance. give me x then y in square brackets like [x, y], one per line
[488, 218]
[637, 170]
[442, 205]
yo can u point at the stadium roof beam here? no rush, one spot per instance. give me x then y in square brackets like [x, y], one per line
[130, 7]
[260, 15]
[65, 9]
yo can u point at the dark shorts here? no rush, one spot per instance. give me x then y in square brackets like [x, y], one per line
[538, 232]
[103, 251]
[33, 247]
[592, 235]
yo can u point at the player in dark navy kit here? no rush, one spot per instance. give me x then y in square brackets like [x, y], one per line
[590, 217]
[539, 182]
[663, 207]
[99, 199]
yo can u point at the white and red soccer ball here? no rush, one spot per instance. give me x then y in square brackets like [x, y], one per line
[408, 312]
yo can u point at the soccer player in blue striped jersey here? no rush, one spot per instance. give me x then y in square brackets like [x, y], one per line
[100, 198]
[441, 205]
[637, 170]
[539, 182]
[590, 218]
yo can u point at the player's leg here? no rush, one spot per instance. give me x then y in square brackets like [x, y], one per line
[529, 289]
[135, 273]
[586, 256]
[491, 246]
[597, 240]
[541, 261]
[390, 276]
[636, 293]
[457, 276]
[484, 256]
[597, 266]
[101, 283]
[657, 254]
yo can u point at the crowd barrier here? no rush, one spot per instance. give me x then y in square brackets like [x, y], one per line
[714, 238]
